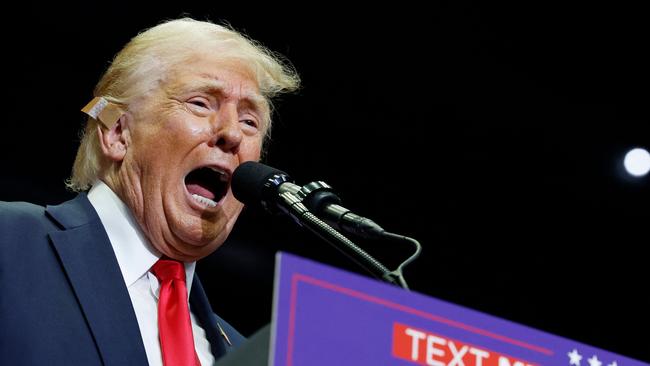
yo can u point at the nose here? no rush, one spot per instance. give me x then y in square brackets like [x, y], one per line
[227, 133]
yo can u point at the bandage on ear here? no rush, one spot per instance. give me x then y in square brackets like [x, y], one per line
[104, 111]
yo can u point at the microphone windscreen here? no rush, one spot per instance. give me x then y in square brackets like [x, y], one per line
[250, 182]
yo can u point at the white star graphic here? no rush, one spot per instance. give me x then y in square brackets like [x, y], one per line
[574, 357]
[593, 361]
[613, 364]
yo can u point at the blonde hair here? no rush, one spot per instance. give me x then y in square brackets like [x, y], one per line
[147, 58]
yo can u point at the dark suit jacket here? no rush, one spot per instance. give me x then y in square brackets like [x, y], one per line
[63, 300]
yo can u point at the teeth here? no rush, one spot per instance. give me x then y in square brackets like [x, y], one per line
[206, 201]
[222, 175]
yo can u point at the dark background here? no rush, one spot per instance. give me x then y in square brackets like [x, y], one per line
[493, 134]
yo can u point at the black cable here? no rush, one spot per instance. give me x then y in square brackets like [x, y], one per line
[307, 219]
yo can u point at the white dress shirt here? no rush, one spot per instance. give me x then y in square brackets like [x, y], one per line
[135, 257]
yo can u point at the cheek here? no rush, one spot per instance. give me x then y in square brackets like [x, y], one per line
[196, 130]
[250, 150]
[233, 206]
[186, 128]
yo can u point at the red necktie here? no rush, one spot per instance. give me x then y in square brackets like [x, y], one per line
[176, 339]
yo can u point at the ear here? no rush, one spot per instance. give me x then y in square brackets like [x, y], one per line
[115, 141]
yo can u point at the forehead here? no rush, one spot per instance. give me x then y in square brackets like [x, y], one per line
[229, 77]
[224, 84]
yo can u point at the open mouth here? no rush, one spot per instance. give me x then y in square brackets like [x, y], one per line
[207, 185]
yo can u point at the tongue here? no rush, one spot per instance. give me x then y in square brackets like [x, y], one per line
[195, 188]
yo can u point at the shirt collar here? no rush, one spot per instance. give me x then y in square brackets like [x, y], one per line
[135, 255]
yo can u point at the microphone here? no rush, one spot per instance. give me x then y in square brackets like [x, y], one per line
[320, 199]
[256, 183]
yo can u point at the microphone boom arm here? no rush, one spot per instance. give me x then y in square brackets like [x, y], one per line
[256, 183]
[293, 206]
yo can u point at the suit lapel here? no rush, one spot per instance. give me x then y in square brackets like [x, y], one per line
[92, 269]
[203, 312]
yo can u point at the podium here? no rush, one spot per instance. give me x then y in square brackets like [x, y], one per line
[326, 316]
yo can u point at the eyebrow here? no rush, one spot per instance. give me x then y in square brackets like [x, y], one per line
[211, 85]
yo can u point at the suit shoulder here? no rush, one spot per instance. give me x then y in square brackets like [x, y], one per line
[22, 219]
[16, 212]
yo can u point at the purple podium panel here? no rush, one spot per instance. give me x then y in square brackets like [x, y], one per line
[326, 316]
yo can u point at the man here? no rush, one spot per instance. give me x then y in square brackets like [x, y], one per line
[85, 282]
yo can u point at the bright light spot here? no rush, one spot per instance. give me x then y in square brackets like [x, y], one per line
[637, 162]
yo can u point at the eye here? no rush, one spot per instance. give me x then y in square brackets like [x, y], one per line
[199, 102]
[250, 122]
[250, 126]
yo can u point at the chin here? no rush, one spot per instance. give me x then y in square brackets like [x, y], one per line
[190, 234]
[197, 243]
[190, 253]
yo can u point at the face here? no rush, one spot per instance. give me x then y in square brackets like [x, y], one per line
[183, 143]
